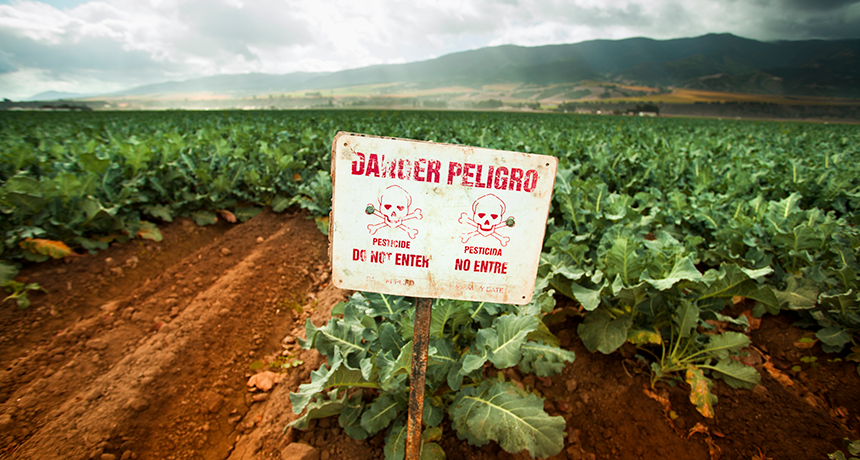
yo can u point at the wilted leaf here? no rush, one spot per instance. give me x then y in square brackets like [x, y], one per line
[700, 391]
[643, 337]
[55, 249]
[149, 231]
[227, 215]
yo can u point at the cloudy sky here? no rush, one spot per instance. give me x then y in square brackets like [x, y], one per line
[98, 46]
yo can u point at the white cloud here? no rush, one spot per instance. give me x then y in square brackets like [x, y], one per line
[130, 42]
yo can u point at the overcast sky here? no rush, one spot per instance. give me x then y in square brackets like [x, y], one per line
[99, 46]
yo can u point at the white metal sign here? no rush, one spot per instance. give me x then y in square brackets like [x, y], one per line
[423, 219]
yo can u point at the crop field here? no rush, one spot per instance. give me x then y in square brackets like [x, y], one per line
[168, 294]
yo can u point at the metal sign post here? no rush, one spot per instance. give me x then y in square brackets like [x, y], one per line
[430, 220]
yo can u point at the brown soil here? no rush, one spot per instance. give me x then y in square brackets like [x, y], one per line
[145, 351]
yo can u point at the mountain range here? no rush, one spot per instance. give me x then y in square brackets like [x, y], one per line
[715, 62]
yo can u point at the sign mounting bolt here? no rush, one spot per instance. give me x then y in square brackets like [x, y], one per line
[510, 222]
[369, 209]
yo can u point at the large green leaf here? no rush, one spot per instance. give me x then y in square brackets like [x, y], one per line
[722, 345]
[588, 298]
[599, 331]
[687, 318]
[799, 294]
[736, 374]
[350, 416]
[684, 269]
[734, 281]
[504, 340]
[622, 260]
[834, 336]
[395, 441]
[499, 411]
[382, 412]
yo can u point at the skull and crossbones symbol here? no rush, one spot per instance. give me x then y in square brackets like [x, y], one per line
[487, 216]
[394, 204]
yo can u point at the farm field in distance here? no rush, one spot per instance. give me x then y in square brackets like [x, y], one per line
[697, 295]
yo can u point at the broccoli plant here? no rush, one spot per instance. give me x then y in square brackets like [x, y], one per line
[366, 381]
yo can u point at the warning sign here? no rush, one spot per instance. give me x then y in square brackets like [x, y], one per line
[423, 219]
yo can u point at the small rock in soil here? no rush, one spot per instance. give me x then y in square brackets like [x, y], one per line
[5, 422]
[212, 401]
[226, 251]
[138, 404]
[108, 457]
[299, 451]
[264, 381]
[260, 397]
[110, 307]
[260, 239]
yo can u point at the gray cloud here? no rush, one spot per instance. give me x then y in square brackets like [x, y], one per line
[130, 42]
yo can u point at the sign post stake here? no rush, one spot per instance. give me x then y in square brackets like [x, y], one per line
[420, 343]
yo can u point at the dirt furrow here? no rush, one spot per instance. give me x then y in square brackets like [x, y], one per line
[159, 372]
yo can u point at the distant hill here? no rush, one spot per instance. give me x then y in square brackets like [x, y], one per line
[54, 96]
[721, 62]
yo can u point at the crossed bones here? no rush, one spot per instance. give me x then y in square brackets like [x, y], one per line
[465, 237]
[412, 232]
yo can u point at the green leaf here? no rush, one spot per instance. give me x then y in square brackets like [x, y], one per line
[320, 408]
[588, 298]
[544, 360]
[799, 294]
[722, 345]
[432, 451]
[382, 412]
[347, 333]
[504, 340]
[599, 331]
[340, 375]
[395, 441]
[445, 311]
[684, 269]
[160, 211]
[7, 272]
[733, 281]
[542, 333]
[350, 416]
[834, 336]
[280, 203]
[498, 411]
[623, 261]
[736, 374]
[687, 318]
[700, 391]
[247, 212]
[203, 218]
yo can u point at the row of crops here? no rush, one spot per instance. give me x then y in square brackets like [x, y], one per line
[657, 226]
